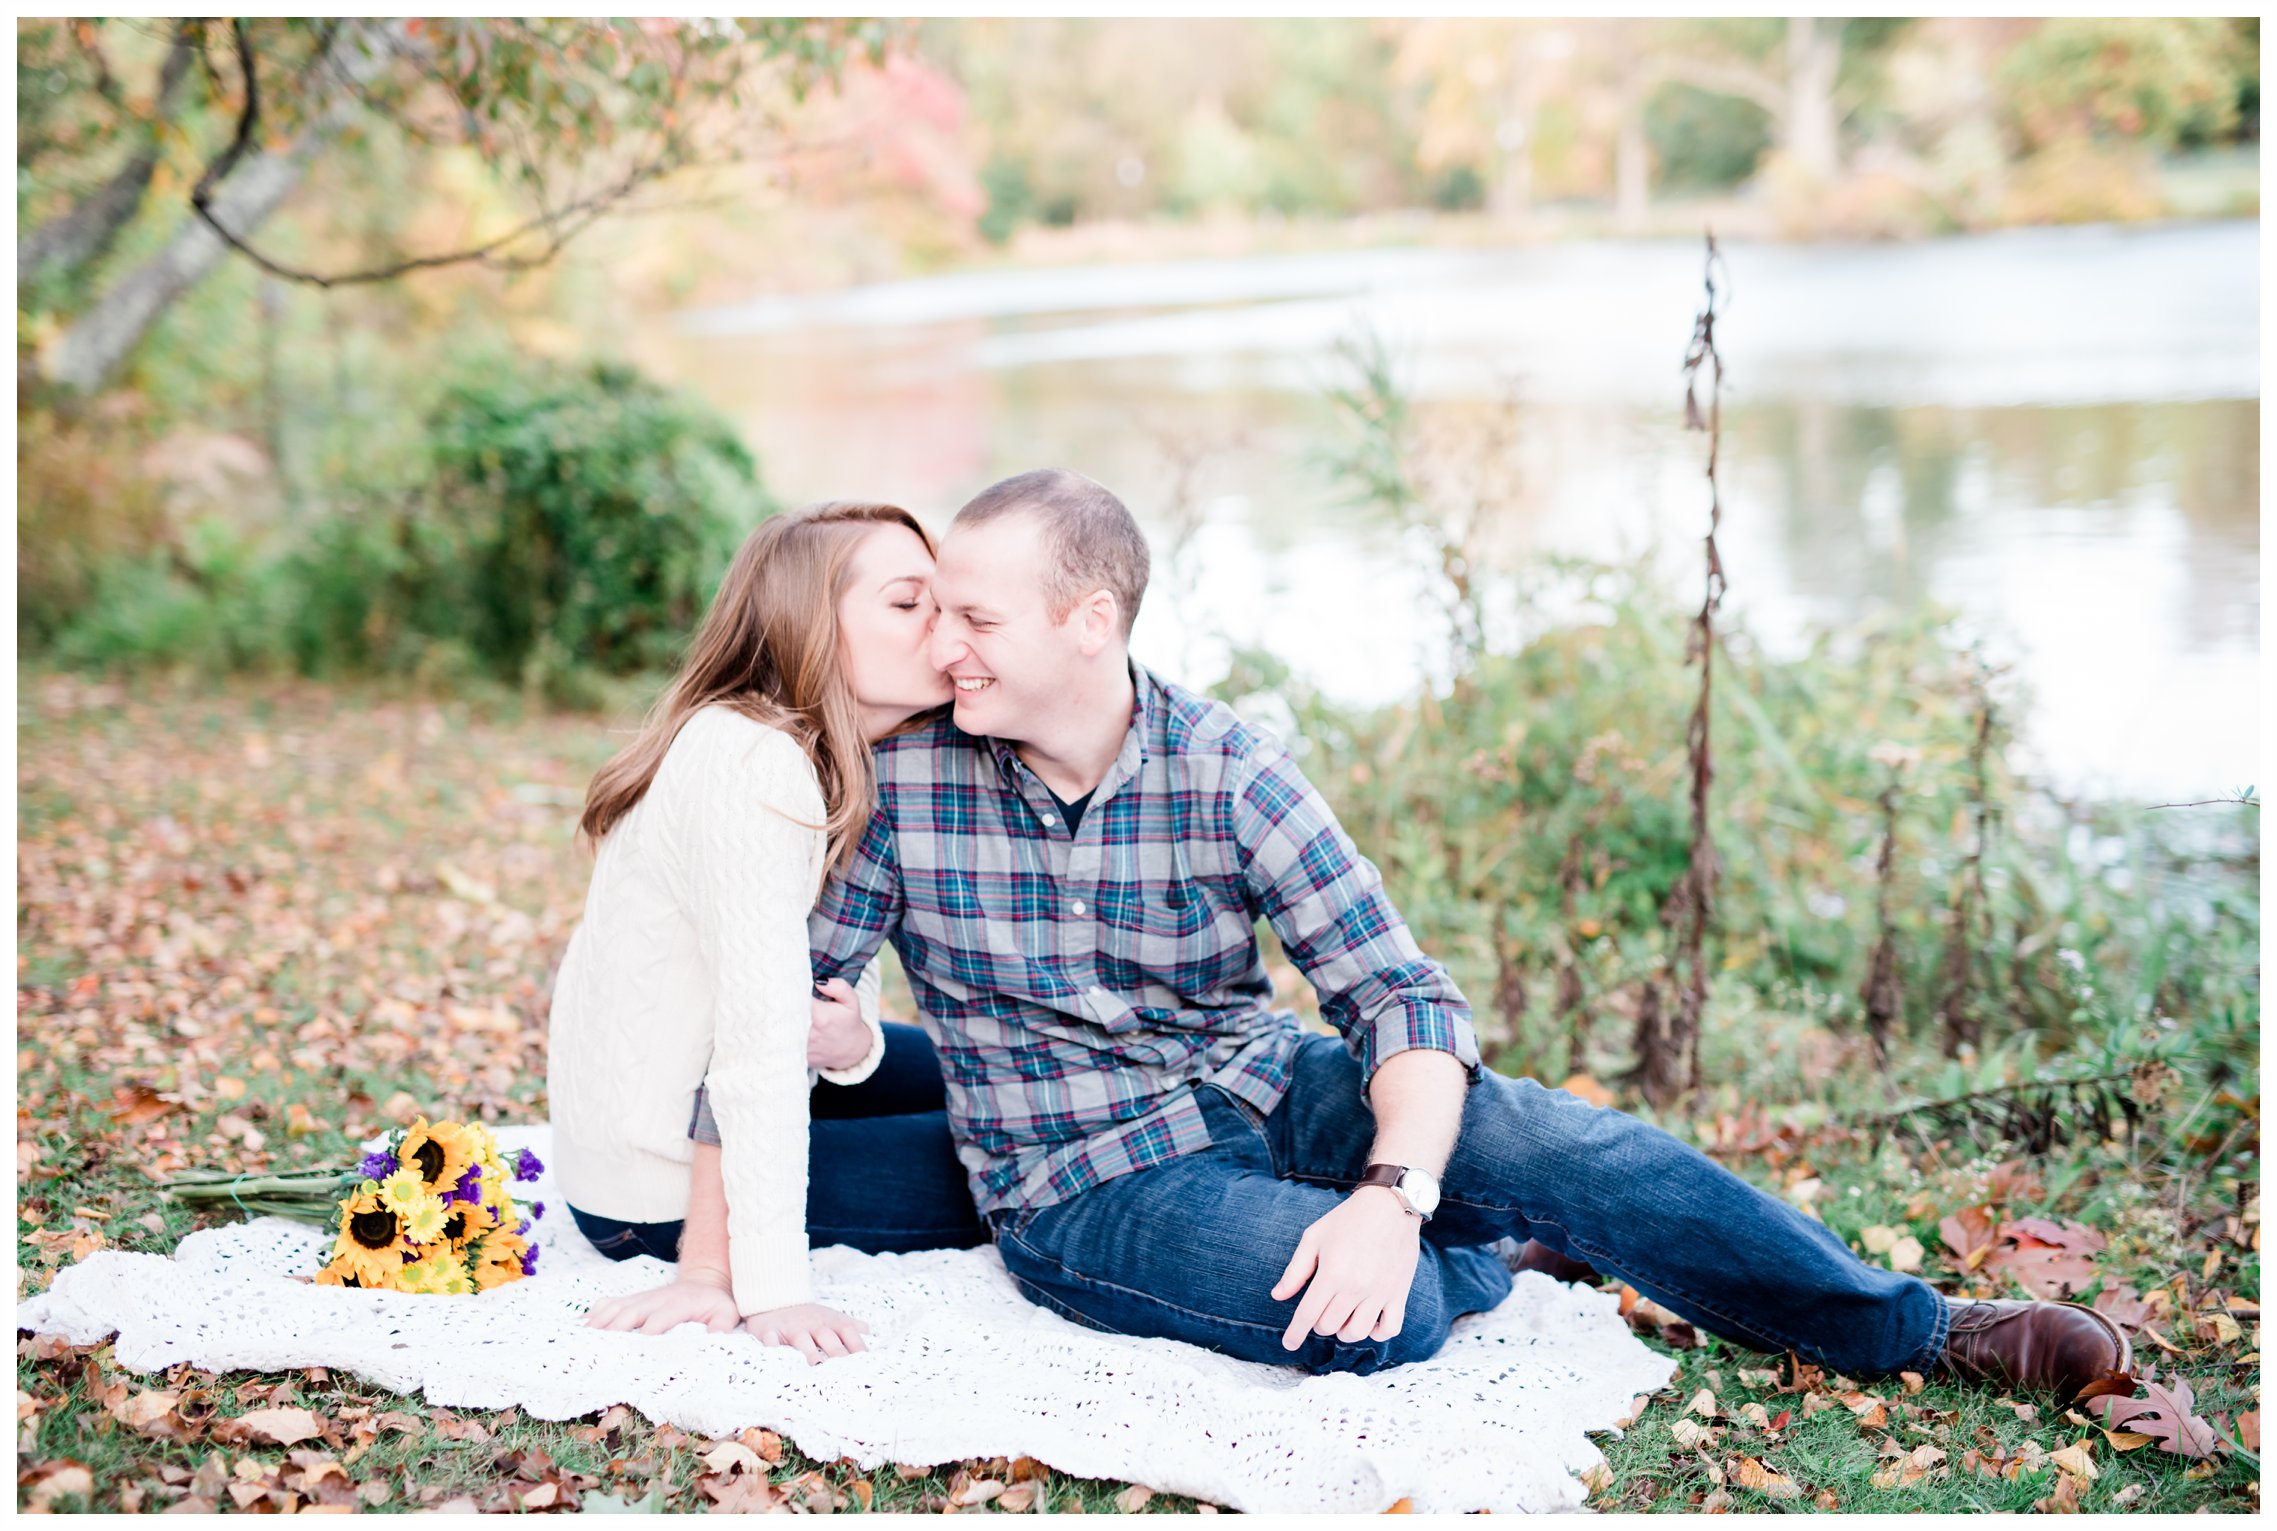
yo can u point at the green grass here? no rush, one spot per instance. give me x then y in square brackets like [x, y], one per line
[231, 897]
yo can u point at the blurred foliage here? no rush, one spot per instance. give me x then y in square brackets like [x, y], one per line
[574, 518]
[1701, 140]
[557, 523]
[2154, 82]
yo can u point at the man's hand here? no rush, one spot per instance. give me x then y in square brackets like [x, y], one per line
[694, 1297]
[838, 1038]
[812, 1329]
[1360, 1261]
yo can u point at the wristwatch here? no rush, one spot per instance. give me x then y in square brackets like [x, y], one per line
[1418, 1190]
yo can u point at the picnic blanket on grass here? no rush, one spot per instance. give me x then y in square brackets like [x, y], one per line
[959, 1366]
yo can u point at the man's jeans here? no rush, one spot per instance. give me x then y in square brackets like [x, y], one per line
[882, 1172]
[1192, 1249]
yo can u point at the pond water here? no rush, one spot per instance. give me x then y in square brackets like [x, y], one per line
[2055, 432]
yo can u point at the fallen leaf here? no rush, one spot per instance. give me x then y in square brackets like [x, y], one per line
[1703, 1404]
[2076, 1458]
[1689, 1433]
[1906, 1254]
[2063, 1500]
[1017, 1498]
[1131, 1500]
[1407, 1506]
[285, 1427]
[1970, 1235]
[2050, 1260]
[1753, 1474]
[50, 1481]
[2123, 1306]
[971, 1491]
[1877, 1239]
[2164, 1414]
[1913, 1382]
[728, 1456]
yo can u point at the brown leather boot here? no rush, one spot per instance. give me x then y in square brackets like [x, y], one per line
[1533, 1255]
[2073, 1351]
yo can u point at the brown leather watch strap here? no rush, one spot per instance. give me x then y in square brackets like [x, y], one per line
[1388, 1176]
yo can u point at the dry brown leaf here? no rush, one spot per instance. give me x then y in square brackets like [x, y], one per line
[50, 1481]
[1751, 1473]
[1970, 1235]
[2164, 1414]
[285, 1427]
[1131, 1500]
[728, 1456]
[1017, 1498]
[2063, 1499]
[2077, 1458]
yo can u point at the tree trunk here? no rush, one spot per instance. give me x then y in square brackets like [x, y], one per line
[1814, 54]
[80, 236]
[1513, 193]
[89, 354]
[1632, 168]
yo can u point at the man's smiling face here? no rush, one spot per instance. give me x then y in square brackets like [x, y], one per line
[1012, 665]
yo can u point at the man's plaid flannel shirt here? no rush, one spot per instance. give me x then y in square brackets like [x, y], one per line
[1078, 985]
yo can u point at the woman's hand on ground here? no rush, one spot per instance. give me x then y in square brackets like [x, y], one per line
[809, 1328]
[694, 1297]
[838, 1038]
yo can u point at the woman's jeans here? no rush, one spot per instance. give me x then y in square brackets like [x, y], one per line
[1191, 1249]
[882, 1173]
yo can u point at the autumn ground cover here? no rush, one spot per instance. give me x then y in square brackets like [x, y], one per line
[259, 922]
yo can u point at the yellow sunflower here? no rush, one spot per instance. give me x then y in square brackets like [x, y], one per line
[440, 1151]
[502, 1247]
[490, 1274]
[442, 1273]
[371, 1243]
[338, 1272]
[466, 1221]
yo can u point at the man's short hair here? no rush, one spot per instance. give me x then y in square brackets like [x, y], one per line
[1091, 541]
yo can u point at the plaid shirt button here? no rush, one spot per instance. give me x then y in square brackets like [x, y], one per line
[1076, 907]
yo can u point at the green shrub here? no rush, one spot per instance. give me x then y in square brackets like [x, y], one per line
[575, 519]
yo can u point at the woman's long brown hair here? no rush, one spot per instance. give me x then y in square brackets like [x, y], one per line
[769, 649]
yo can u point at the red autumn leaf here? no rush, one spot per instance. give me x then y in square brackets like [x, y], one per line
[2050, 1260]
[2163, 1414]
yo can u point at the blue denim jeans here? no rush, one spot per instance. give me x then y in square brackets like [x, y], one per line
[1191, 1249]
[882, 1171]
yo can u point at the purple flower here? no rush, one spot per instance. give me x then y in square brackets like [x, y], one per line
[537, 1209]
[522, 1229]
[530, 1261]
[469, 1187]
[377, 1166]
[526, 1166]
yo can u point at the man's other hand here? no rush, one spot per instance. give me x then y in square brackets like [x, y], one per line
[1359, 1261]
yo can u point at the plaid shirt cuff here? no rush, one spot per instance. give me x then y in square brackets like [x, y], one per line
[1416, 1024]
[702, 1127]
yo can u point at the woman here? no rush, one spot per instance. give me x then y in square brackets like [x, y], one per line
[715, 827]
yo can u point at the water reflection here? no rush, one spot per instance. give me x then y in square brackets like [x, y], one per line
[1916, 422]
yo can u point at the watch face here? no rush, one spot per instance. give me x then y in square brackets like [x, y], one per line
[1421, 1191]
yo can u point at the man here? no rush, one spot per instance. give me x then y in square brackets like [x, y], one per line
[1071, 871]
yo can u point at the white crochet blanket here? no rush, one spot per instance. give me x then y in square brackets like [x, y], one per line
[959, 1366]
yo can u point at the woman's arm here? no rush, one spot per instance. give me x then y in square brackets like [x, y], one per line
[700, 1291]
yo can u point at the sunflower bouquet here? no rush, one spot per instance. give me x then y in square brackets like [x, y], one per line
[430, 1211]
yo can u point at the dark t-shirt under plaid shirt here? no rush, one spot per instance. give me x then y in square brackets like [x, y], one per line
[1078, 985]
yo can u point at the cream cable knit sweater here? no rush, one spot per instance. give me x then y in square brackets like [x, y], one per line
[692, 957]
